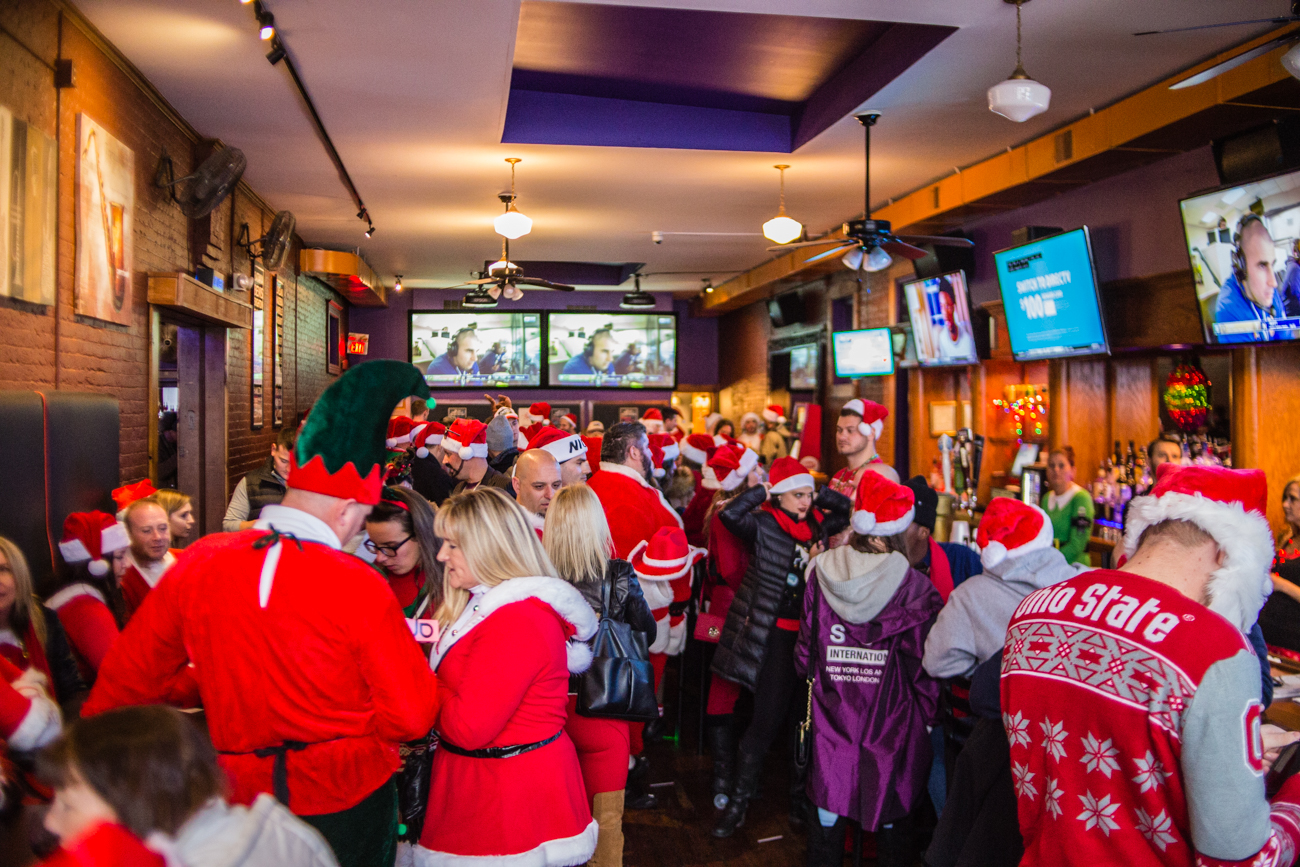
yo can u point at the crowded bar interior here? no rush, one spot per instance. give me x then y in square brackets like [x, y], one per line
[887, 411]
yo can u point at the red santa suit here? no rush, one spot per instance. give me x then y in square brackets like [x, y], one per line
[139, 579]
[293, 644]
[86, 618]
[503, 682]
[107, 845]
[29, 718]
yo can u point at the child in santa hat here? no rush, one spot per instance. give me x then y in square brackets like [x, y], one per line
[783, 531]
[865, 620]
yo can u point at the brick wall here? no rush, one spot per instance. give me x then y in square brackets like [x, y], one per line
[51, 347]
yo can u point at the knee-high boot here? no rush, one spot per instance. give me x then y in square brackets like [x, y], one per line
[721, 738]
[607, 810]
[748, 770]
[825, 845]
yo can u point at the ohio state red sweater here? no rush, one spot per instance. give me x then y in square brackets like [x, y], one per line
[1133, 715]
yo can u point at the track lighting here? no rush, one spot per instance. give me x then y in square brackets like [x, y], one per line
[397, 285]
[512, 224]
[1019, 97]
[782, 229]
[266, 21]
[276, 54]
[708, 286]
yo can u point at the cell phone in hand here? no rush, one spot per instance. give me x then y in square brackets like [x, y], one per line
[1287, 764]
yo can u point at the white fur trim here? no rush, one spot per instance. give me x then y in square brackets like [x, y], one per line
[473, 450]
[43, 722]
[798, 480]
[1240, 587]
[74, 551]
[114, 538]
[662, 635]
[422, 452]
[621, 470]
[710, 480]
[1039, 542]
[565, 852]
[865, 524]
[733, 480]
[691, 453]
[772, 418]
[72, 591]
[748, 461]
[267, 577]
[993, 554]
[719, 440]
[98, 568]
[579, 656]
[658, 594]
[874, 430]
[671, 450]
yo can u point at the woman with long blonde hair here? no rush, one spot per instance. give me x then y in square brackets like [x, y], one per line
[31, 635]
[506, 785]
[577, 539]
[180, 514]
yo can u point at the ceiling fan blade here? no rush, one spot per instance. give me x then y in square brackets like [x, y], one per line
[1232, 63]
[936, 240]
[545, 284]
[482, 282]
[835, 251]
[895, 247]
[778, 248]
[1283, 19]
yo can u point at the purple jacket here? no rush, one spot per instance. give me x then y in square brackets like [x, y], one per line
[872, 700]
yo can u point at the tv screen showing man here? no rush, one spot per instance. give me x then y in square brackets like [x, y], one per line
[477, 349]
[613, 350]
[940, 312]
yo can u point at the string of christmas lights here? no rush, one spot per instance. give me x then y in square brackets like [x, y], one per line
[1027, 406]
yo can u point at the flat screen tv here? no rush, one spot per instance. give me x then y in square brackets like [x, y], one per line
[939, 308]
[1049, 291]
[477, 349]
[612, 350]
[866, 352]
[803, 367]
[1244, 244]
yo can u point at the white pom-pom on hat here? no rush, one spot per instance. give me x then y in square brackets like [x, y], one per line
[98, 568]
[993, 554]
[465, 452]
[864, 522]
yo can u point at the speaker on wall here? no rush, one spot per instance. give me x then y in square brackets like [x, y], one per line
[786, 309]
[1264, 150]
[944, 260]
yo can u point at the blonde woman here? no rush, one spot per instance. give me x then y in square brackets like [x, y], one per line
[506, 786]
[31, 636]
[180, 514]
[578, 542]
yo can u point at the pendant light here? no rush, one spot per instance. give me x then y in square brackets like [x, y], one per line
[782, 229]
[1019, 97]
[512, 224]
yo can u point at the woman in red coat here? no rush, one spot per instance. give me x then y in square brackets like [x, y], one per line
[506, 786]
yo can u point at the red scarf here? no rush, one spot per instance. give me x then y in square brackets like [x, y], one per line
[940, 570]
[802, 531]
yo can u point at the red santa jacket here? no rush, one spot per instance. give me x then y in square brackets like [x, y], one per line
[138, 580]
[503, 680]
[89, 623]
[696, 509]
[107, 845]
[1133, 718]
[29, 718]
[290, 642]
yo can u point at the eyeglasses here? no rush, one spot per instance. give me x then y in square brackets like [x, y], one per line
[387, 550]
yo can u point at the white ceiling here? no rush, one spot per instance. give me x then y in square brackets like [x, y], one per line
[413, 92]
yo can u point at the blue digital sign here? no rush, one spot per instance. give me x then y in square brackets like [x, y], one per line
[1049, 292]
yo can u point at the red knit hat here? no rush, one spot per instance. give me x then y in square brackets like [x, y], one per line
[128, 494]
[788, 474]
[541, 410]
[1230, 506]
[882, 507]
[774, 414]
[723, 471]
[698, 448]
[664, 556]
[563, 446]
[467, 438]
[1011, 529]
[92, 536]
[399, 431]
[873, 416]
[430, 435]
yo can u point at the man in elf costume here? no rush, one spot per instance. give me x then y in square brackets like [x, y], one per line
[1131, 698]
[306, 667]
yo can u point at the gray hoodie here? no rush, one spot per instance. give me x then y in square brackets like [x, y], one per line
[972, 626]
[263, 835]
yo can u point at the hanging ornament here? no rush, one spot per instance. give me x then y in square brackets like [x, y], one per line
[1187, 397]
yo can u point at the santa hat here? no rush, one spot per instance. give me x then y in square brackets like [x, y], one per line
[881, 507]
[1010, 529]
[573, 419]
[128, 494]
[665, 443]
[91, 536]
[788, 474]
[593, 445]
[664, 556]
[466, 438]
[540, 410]
[746, 457]
[430, 435]
[747, 416]
[1230, 506]
[698, 448]
[723, 471]
[399, 431]
[774, 414]
[873, 416]
[563, 446]
[653, 420]
[340, 451]
[657, 457]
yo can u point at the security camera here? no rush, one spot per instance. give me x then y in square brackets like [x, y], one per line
[657, 237]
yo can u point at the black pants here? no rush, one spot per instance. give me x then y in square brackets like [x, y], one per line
[775, 687]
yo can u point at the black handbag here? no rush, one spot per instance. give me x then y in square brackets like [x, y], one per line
[413, 785]
[804, 733]
[621, 682]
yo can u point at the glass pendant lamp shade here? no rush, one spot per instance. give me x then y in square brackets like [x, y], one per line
[512, 224]
[782, 229]
[1291, 60]
[877, 260]
[1019, 97]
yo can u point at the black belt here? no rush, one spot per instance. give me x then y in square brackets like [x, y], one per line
[280, 765]
[496, 752]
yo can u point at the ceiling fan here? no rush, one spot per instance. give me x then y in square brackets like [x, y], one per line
[870, 245]
[503, 279]
[1246, 56]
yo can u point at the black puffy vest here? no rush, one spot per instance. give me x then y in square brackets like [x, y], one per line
[264, 489]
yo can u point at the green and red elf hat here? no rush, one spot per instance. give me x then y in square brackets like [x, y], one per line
[341, 450]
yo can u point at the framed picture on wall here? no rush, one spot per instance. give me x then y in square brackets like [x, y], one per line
[277, 351]
[257, 347]
[334, 338]
[105, 201]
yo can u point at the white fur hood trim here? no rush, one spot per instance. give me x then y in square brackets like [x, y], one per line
[1240, 587]
[858, 585]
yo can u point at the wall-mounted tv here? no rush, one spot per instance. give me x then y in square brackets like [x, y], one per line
[612, 350]
[1049, 292]
[803, 367]
[1244, 244]
[477, 349]
[866, 352]
[941, 325]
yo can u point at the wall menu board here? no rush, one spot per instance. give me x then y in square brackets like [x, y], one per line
[867, 352]
[1049, 292]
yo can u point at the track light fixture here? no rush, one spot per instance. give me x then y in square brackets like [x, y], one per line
[782, 229]
[276, 54]
[266, 24]
[512, 224]
[708, 286]
[397, 284]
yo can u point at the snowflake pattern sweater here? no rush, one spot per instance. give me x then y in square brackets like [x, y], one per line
[1133, 716]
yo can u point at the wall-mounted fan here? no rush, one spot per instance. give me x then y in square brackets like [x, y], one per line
[1246, 56]
[273, 247]
[870, 245]
[208, 186]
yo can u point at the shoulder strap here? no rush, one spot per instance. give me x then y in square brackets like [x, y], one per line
[606, 589]
[813, 648]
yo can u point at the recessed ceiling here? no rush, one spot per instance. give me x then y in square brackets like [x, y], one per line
[414, 93]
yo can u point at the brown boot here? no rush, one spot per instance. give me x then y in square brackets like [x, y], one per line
[607, 810]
